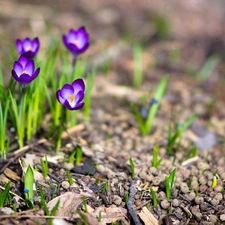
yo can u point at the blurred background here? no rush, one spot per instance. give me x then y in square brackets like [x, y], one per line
[178, 37]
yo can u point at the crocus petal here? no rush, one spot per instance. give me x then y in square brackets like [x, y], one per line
[18, 68]
[72, 36]
[29, 67]
[15, 76]
[35, 44]
[67, 91]
[23, 60]
[59, 98]
[79, 97]
[35, 74]
[27, 44]
[76, 107]
[78, 85]
[19, 46]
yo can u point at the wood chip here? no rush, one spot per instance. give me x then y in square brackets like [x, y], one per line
[147, 217]
[12, 175]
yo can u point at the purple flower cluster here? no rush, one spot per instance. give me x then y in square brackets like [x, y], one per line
[24, 69]
[77, 42]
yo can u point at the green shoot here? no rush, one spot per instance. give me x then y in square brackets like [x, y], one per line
[4, 195]
[43, 202]
[105, 188]
[126, 198]
[214, 183]
[99, 216]
[28, 186]
[138, 66]
[132, 168]
[19, 115]
[55, 208]
[70, 178]
[155, 162]
[44, 166]
[84, 202]
[3, 125]
[208, 68]
[145, 126]
[83, 217]
[169, 183]
[72, 157]
[78, 154]
[193, 152]
[154, 197]
[179, 129]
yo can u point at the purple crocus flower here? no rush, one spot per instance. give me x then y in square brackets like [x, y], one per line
[71, 96]
[28, 47]
[77, 41]
[23, 71]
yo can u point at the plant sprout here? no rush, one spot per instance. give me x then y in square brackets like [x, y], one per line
[179, 129]
[4, 195]
[28, 186]
[44, 166]
[145, 125]
[155, 161]
[70, 178]
[132, 168]
[154, 198]
[169, 183]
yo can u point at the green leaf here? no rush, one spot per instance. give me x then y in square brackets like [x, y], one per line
[28, 184]
[4, 194]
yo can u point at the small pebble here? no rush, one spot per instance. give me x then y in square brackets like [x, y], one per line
[213, 219]
[175, 202]
[184, 188]
[111, 174]
[199, 200]
[218, 188]
[215, 201]
[156, 181]
[165, 204]
[202, 188]
[153, 171]
[138, 202]
[202, 166]
[161, 194]
[222, 176]
[191, 196]
[202, 180]
[142, 175]
[222, 217]
[149, 177]
[198, 216]
[65, 184]
[117, 199]
[218, 196]
[100, 168]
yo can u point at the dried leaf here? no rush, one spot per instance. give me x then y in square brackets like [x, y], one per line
[111, 214]
[147, 217]
[11, 174]
[69, 202]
